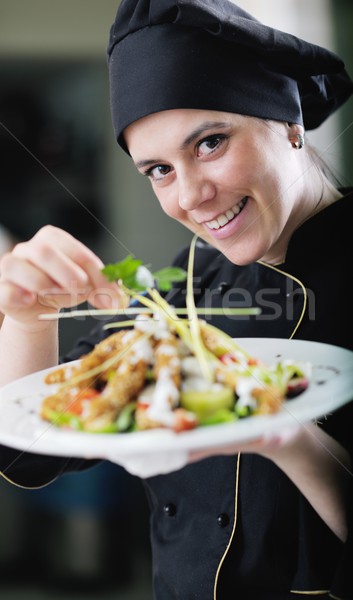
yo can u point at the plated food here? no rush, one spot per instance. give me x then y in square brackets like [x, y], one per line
[150, 377]
[330, 387]
[162, 370]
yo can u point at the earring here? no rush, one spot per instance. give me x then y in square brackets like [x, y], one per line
[297, 141]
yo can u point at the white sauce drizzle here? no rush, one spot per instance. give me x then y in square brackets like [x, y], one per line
[128, 336]
[199, 384]
[167, 349]
[156, 326]
[122, 369]
[190, 366]
[146, 395]
[165, 396]
[142, 350]
[243, 388]
[174, 362]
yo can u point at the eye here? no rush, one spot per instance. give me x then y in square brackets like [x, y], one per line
[210, 144]
[157, 172]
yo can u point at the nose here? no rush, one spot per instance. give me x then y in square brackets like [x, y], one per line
[194, 189]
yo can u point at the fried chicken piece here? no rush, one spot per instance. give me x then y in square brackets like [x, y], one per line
[124, 381]
[227, 376]
[121, 389]
[167, 359]
[102, 413]
[125, 384]
[58, 376]
[55, 403]
[210, 339]
[143, 421]
[104, 350]
[180, 420]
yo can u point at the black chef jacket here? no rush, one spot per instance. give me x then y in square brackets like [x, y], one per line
[236, 527]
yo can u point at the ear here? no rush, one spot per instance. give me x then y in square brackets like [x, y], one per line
[296, 135]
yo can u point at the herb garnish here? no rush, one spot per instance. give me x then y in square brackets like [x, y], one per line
[136, 276]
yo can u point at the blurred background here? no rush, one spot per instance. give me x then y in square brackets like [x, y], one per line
[87, 534]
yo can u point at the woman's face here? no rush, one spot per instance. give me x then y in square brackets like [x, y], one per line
[235, 181]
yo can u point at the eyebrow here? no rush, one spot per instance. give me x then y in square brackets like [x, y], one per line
[188, 140]
[201, 129]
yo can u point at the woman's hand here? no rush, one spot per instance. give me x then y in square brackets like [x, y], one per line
[149, 465]
[51, 271]
[270, 445]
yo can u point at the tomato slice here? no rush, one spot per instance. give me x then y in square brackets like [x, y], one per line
[228, 358]
[76, 406]
[252, 361]
[184, 420]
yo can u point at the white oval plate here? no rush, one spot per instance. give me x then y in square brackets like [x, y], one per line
[331, 387]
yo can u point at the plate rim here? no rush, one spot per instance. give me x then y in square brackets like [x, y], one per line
[80, 444]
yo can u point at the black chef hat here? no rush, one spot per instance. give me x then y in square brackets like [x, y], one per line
[211, 54]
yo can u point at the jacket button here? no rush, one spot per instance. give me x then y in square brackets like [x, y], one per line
[223, 287]
[222, 520]
[169, 509]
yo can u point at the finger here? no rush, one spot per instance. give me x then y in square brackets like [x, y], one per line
[50, 260]
[104, 293]
[70, 263]
[14, 297]
[64, 241]
[150, 465]
[282, 441]
[32, 280]
[245, 447]
[91, 264]
[23, 274]
[54, 297]
[110, 296]
[75, 250]
[196, 455]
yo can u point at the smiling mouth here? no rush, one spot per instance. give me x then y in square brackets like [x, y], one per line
[228, 216]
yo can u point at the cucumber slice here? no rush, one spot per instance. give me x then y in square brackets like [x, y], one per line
[206, 402]
[223, 415]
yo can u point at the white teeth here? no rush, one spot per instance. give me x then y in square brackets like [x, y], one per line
[237, 209]
[227, 216]
[223, 220]
[213, 225]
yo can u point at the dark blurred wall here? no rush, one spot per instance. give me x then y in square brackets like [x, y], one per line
[343, 29]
